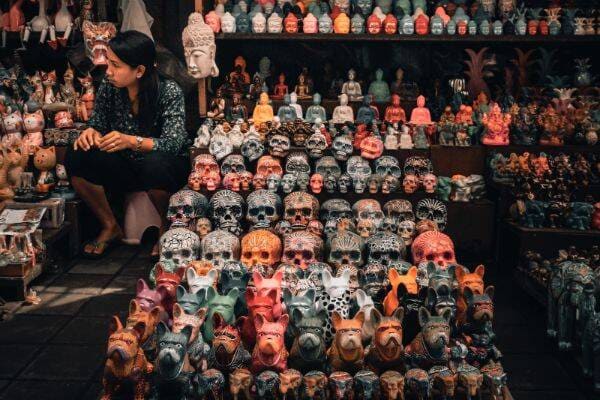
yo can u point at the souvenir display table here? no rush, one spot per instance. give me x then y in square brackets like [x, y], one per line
[360, 172]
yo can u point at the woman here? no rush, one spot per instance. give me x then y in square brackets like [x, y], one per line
[135, 138]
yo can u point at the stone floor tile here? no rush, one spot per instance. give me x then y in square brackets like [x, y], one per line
[56, 304]
[84, 330]
[79, 283]
[138, 267]
[65, 362]
[43, 390]
[30, 329]
[107, 305]
[123, 284]
[105, 266]
[14, 357]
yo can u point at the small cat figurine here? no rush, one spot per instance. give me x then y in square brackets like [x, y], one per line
[13, 125]
[45, 161]
[48, 81]
[34, 125]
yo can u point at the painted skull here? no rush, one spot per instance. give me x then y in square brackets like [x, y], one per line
[246, 179]
[429, 183]
[342, 147]
[268, 165]
[433, 246]
[316, 145]
[288, 183]
[345, 249]
[179, 246]
[232, 181]
[328, 166]
[264, 209]
[434, 210]
[273, 182]
[368, 209]
[301, 249]
[195, 180]
[399, 209]
[233, 163]
[259, 181]
[300, 208]
[297, 162]
[407, 231]
[206, 164]
[302, 181]
[260, 247]
[226, 210]
[220, 146]
[371, 147]
[390, 184]
[388, 165]
[220, 246]
[345, 183]
[252, 149]
[330, 183]
[385, 248]
[203, 227]
[366, 228]
[389, 225]
[417, 165]
[185, 207]
[332, 211]
[410, 183]
[374, 183]
[359, 170]
[279, 145]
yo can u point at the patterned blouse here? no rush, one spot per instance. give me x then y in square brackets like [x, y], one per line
[112, 112]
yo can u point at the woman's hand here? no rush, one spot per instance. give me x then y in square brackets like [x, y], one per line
[116, 141]
[87, 139]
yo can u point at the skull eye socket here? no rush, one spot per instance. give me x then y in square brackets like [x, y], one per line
[208, 256]
[376, 255]
[429, 257]
[269, 211]
[355, 255]
[226, 255]
[186, 253]
[219, 211]
[307, 254]
[247, 254]
[447, 255]
[306, 212]
[289, 254]
[394, 255]
[167, 254]
[253, 211]
[336, 254]
[264, 255]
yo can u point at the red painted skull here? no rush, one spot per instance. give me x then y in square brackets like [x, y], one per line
[433, 246]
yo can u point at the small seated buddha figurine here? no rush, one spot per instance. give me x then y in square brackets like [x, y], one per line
[237, 111]
[420, 115]
[406, 141]
[397, 84]
[294, 104]
[302, 89]
[351, 88]
[379, 88]
[239, 71]
[497, 126]
[343, 113]
[217, 106]
[257, 87]
[316, 110]
[281, 88]
[394, 113]
[367, 113]
[263, 112]
[286, 113]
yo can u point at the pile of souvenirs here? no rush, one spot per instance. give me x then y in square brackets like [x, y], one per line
[554, 119]
[571, 281]
[551, 191]
[404, 17]
[280, 312]
[386, 176]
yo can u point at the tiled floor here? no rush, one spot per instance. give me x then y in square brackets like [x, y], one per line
[55, 350]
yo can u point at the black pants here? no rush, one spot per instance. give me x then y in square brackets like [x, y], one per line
[118, 173]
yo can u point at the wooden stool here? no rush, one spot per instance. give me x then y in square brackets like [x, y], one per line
[140, 214]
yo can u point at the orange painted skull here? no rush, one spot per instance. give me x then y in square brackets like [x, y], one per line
[260, 247]
[268, 165]
[371, 147]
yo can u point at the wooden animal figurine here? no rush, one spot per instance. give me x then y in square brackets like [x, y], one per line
[430, 346]
[391, 301]
[126, 363]
[33, 124]
[222, 304]
[167, 283]
[174, 372]
[443, 382]
[196, 281]
[18, 162]
[473, 281]
[210, 384]
[267, 304]
[240, 381]
[198, 349]
[290, 381]
[340, 386]
[38, 89]
[87, 98]
[267, 385]
[48, 82]
[417, 383]
[190, 302]
[469, 380]
[6, 191]
[494, 381]
[227, 353]
[45, 161]
[148, 299]
[347, 352]
[386, 351]
[308, 350]
[150, 319]
[478, 327]
[12, 125]
[314, 385]
[366, 385]
[269, 351]
[392, 385]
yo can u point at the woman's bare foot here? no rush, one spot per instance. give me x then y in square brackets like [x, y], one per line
[105, 236]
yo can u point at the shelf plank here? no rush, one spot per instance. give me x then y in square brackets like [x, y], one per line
[320, 37]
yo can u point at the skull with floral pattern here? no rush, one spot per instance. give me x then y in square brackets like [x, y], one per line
[220, 146]
[179, 246]
[316, 145]
[233, 163]
[388, 165]
[328, 166]
[433, 246]
[279, 145]
[252, 149]
[342, 147]
[345, 183]
[297, 162]
[260, 247]
[407, 231]
[301, 249]
[418, 165]
[185, 207]
[268, 165]
[434, 210]
[390, 184]
[302, 181]
[206, 164]
[300, 208]
[345, 249]
[385, 248]
[264, 209]
[399, 209]
[288, 183]
[220, 246]
[226, 209]
[359, 170]
[368, 209]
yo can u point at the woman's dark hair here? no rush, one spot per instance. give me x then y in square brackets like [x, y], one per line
[135, 49]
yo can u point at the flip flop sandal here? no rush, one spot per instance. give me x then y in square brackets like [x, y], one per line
[105, 247]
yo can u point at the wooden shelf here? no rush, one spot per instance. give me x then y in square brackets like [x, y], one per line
[522, 230]
[332, 37]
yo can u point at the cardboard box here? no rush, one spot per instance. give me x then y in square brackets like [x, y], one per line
[55, 213]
